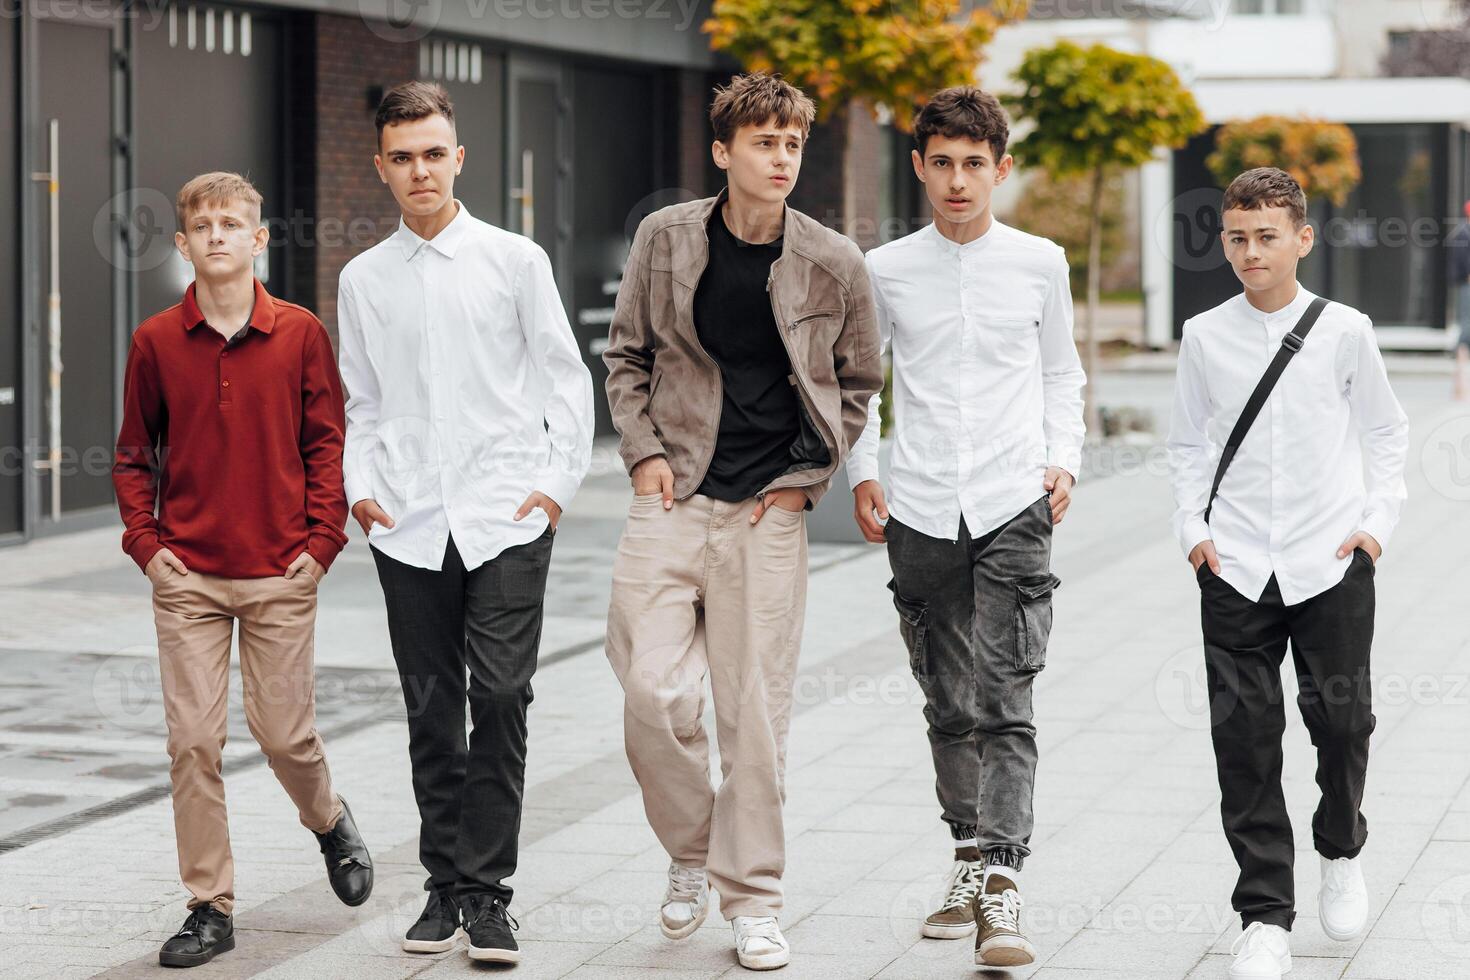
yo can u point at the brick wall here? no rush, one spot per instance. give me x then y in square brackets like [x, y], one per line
[353, 209]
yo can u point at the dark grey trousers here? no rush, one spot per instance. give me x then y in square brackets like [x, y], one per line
[442, 624]
[975, 615]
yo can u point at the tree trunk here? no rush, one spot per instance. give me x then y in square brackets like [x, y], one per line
[1094, 289]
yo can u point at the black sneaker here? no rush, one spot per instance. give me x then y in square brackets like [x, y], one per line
[349, 868]
[205, 934]
[488, 925]
[437, 929]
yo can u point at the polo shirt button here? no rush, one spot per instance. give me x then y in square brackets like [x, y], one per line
[225, 383]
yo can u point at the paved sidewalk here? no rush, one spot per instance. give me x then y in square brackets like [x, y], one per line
[1130, 877]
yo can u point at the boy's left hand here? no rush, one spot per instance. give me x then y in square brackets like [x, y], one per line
[1058, 482]
[539, 499]
[305, 563]
[1364, 540]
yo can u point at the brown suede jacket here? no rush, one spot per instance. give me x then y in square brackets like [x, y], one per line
[664, 389]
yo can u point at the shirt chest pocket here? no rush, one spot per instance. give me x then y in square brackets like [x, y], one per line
[1012, 339]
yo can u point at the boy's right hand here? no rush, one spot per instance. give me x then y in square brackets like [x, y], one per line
[161, 560]
[868, 502]
[654, 475]
[1205, 552]
[367, 513]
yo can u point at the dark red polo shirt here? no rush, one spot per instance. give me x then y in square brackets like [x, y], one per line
[239, 443]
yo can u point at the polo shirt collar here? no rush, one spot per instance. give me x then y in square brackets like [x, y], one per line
[446, 243]
[262, 314]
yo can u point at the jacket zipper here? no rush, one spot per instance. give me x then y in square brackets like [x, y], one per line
[811, 403]
[719, 379]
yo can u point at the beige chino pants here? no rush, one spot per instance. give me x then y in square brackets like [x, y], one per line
[698, 592]
[195, 615]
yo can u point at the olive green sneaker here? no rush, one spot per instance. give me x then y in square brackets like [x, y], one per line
[998, 941]
[955, 917]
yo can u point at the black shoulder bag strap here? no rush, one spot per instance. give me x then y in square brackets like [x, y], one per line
[1290, 344]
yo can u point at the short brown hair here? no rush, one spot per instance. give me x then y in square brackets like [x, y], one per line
[412, 101]
[750, 100]
[219, 187]
[1267, 187]
[963, 112]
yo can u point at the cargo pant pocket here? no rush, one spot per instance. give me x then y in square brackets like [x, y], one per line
[1033, 620]
[913, 626]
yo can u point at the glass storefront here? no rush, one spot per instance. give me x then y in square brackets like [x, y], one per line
[1382, 251]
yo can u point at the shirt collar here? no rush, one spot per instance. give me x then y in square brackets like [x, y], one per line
[262, 314]
[949, 247]
[445, 243]
[1289, 313]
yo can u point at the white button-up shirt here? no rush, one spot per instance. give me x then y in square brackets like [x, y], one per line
[987, 385]
[1298, 486]
[466, 390]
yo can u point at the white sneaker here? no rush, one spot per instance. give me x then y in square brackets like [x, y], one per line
[686, 903]
[758, 942]
[1342, 901]
[1262, 952]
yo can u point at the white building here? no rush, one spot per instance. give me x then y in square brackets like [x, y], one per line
[1383, 250]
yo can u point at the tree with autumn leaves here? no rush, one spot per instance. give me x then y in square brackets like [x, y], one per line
[892, 53]
[1322, 156]
[1091, 111]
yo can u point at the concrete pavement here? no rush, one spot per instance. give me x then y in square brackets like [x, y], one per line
[1130, 875]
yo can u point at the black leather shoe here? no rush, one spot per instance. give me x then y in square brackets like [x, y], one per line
[349, 867]
[205, 934]
[488, 926]
[437, 929]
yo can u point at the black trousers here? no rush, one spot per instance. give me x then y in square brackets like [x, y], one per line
[440, 623]
[1245, 642]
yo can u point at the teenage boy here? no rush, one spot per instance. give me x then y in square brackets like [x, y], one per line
[1286, 551]
[469, 429]
[232, 425]
[987, 392]
[756, 323]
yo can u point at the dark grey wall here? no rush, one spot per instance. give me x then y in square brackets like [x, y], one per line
[11, 458]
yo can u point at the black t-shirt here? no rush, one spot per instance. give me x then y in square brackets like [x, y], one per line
[759, 415]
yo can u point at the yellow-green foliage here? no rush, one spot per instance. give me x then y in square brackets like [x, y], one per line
[1097, 107]
[1322, 156]
[893, 53]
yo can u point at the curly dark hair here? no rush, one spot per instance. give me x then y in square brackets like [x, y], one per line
[963, 112]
